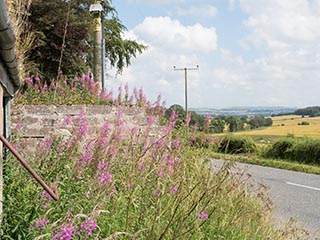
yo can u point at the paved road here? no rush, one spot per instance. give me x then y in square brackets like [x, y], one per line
[293, 194]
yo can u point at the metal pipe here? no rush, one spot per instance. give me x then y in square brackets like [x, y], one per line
[52, 192]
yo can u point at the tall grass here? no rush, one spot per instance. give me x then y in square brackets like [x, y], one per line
[124, 183]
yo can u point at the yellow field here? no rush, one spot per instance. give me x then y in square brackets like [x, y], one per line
[284, 125]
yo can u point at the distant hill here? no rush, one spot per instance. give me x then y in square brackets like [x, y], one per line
[310, 111]
[244, 111]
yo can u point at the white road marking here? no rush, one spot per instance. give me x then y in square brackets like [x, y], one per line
[304, 186]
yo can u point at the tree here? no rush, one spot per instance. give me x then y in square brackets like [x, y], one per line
[235, 124]
[260, 121]
[217, 125]
[181, 114]
[63, 32]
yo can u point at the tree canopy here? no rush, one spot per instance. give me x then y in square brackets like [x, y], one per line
[62, 37]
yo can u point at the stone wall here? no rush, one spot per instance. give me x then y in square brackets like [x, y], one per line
[34, 123]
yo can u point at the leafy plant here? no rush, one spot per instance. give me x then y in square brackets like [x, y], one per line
[235, 144]
[124, 183]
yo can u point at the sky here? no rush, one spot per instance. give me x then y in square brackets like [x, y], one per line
[249, 52]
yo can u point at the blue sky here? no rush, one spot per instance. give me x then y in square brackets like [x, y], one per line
[250, 52]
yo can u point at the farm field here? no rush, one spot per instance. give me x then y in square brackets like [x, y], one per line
[288, 125]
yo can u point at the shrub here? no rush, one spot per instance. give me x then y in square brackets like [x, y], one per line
[281, 148]
[305, 123]
[305, 150]
[235, 144]
[201, 140]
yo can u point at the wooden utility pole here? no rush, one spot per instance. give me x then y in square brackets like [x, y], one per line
[185, 83]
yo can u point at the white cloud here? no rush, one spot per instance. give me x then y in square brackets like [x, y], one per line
[172, 36]
[169, 44]
[203, 10]
[283, 35]
[282, 25]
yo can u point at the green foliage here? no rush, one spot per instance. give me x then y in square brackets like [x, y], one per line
[304, 123]
[77, 90]
[128, 185]
[260, 121]
[311, 111]
[217, 126]
[305, 150]
[235, 144]
[63, 33]
[201, 140]
[179, 111]
[281, 148]
[197, 120]
[235, 124]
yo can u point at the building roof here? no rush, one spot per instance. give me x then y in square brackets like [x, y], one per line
[9, 76]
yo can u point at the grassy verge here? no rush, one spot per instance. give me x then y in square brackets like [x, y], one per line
[275, 163]
[124, 184]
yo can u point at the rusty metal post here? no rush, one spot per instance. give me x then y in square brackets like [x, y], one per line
[52, 193]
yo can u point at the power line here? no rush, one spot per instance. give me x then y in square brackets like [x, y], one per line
[186, 83]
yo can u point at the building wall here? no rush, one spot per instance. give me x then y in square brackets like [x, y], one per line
[34, 123]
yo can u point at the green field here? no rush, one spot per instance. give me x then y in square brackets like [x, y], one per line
[287, 125]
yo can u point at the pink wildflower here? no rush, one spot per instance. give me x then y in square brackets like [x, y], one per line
[82, 113]
[173, 189]
[29, 80]
[105, 128]
[161, 143]
[45, 198]
[83, 128]
[149, 106]
[165, 131]
[68, 120]
[131, 99]
[155, 193]
[176, 143]
[134, 130]
[171, 162]
[120, 113]
[141, 166]
[105, 176]
[188, 119]
[40, 225]
[91, 85]
[48, 143]
[88, 226]
[208, 118]
[65, 233]
[18, 126]
[151, 119]
[203, 215]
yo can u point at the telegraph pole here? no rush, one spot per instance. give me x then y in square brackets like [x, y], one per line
[103, 48]
[185, 83]
[97, 10]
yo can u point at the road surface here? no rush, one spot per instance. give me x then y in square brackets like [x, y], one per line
[293, 194]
